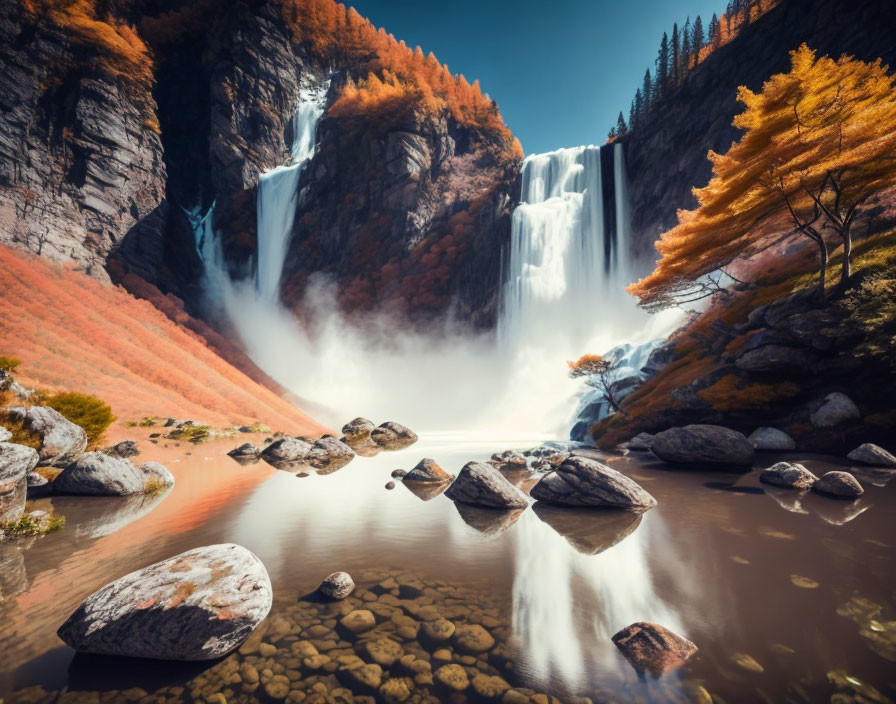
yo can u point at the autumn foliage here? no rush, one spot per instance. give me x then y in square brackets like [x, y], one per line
[819, 143]
[74, 333]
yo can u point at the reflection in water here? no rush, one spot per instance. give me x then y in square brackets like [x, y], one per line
[588, 531]
[426, 491]
[109, 514]
[489, 521]
[567, 605]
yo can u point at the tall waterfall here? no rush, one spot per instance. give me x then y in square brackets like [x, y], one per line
[278, 195]
[567, 268]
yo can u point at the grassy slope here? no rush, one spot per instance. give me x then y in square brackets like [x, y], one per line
[74, 333]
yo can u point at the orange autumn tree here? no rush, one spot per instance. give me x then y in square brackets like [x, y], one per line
[819, 142]
[598, 373]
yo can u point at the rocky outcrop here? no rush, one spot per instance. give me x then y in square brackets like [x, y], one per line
[198, 605]
[872, 455]
[80, 156]
[771, 439]
[16, 461]
[99, 474]
[839, 485]
[580, 481]
[329, 453]
[703, 445]
[480, 484]
[653, 649]
[393, 436]
[428, 470]
[61, 440]
[788, 475]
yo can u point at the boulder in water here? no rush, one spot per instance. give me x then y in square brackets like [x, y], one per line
[245, 451]
[16, 461]
[641, 442]
[771, 439]
[337, 586]
[61, 440]
[839, 485]
[427, 470]
[833, 410]
[156, 475]
[509, 461]
[703, 445]
[357, 430]
[198, 605]
[99, 474]
[125, 448]
[393, 436]
[286, 449]
[653, 649]
[872, 455]
[581, 481]
[329, 453]
[481, 484]
[788, 475]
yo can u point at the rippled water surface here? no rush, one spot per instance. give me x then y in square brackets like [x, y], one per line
[790, 597]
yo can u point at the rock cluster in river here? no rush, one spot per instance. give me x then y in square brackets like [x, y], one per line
[428, 470]
[61, 440]
[480, 484]
[198, 605]
[393, 436]
[99, 474]
[788, 475]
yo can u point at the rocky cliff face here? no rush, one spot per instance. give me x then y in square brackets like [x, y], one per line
[80, 158]
[666, 157]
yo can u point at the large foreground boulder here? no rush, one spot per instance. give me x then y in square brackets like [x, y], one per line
[703, 445]
[833, 410]
[581, 481]
[61, 440]
[872, 455]
[393, 436]
[286, 450]
[788, 475]
[839, 485]
[428, 470]
[771, 439]
[99, 474]
[198, 605]
[480, 484]
[653, 649]
[16, 461]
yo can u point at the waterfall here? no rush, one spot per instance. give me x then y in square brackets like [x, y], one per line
[566, 275]
[277, 196]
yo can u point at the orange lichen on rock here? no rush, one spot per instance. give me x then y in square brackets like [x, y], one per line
[74, 333]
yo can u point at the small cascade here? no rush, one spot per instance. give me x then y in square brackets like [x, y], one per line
[278, 192]
[566, 272]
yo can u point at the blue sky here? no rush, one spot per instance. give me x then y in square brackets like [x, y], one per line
[560, 70]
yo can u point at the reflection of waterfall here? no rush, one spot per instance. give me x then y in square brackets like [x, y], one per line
[568, 252]
[278, 195]
[567, 605]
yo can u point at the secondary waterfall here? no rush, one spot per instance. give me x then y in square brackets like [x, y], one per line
[568, 263]
[277, 196]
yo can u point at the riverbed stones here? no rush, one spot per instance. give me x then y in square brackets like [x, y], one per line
[61, 440]
[872, 455]
[839, 485]
[509, 461]
[247, 450]
[834, 409]
[328, 452]
[286, 449]
[16, 461]
[641, 442]
[198, 605]
[653, 649]
[437, 632]
[703, 445]
[453, 677]
[480, 484]
[358, 621]
[489, 687]
[393, 436]
[358, 430]
[788, 475]
[428, 470]
[584, 482]
[383, 651]
[337, 586]
[771, 439]
[473, 639]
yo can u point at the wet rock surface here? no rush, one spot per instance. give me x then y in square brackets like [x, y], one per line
[580, 481]
[428, 470]
[198, 605]
[480, 484]
[641, 442]
[833, 410]
[125, 448]
[16, 462]
[771, 439]
[653, 649]
[61, 440]
[872, 455]
[393, 436]
[329, 453]
[337, 586]
[99, 474]
[358, 430]
[286, 450]
[839, 485]
[703, 445]
[788, 475]
[247, 450]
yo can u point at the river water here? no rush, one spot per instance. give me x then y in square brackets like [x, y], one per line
[789, 597]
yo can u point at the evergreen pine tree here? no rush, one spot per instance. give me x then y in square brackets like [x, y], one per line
[637, 113]
[621, 127]
[675, 60]
[662, 68]
[647, 92]
[686, 48]
[715, 32]
[698, 40]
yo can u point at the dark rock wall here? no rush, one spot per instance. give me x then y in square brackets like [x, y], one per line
[666, 157]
